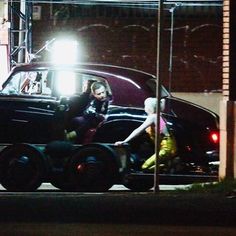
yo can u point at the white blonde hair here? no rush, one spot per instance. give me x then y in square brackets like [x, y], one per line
[151, 103]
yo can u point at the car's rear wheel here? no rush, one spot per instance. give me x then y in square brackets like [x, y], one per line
[93, 168]
[22, 167]
[138, 182]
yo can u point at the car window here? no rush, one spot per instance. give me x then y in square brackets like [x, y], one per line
[68, 82]
[34, 82]
[151, 83]
[28, 82]
[54, 83]
[12, 87]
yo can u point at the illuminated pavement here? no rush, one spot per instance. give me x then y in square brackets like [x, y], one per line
[48, 186]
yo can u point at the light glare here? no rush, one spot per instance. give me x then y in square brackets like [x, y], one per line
[66, 83]
[64, 52]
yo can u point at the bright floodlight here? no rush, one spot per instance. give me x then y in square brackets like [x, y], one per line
[64, 52]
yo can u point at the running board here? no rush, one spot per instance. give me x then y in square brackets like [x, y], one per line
[173, 178]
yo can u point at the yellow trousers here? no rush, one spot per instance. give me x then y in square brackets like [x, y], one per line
[168, 149]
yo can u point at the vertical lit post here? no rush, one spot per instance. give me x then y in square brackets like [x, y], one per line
[159, 72]
[227, 168]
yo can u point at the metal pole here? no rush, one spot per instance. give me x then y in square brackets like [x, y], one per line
[172, 11]
[171, 46]
[21, 31]
[11, 38]
[159, 71]
[28, 27]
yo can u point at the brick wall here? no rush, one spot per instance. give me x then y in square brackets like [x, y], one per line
[130, 40]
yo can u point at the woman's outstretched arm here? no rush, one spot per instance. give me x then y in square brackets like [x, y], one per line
[148, 122]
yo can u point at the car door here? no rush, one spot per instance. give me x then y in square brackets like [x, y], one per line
[29, 115]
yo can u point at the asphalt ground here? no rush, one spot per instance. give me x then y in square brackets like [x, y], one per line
[81, 229]
[119, 207]
[49, 211]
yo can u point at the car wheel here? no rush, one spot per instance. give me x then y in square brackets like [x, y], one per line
[138, 182]
[93, 168]
[22, 167]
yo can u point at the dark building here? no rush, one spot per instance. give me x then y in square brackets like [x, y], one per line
[126, 36]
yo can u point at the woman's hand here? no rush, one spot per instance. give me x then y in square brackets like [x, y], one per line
[119, 143]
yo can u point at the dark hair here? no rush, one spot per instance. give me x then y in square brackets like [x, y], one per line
[97, 85]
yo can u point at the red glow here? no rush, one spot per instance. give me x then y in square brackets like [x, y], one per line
[214, 136]
[188, 148]
[80, 167]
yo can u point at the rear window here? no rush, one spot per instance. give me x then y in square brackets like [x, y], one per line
[151, 83]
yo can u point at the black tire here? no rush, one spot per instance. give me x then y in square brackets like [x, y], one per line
[93, 168]
[140, 184]
[23, 167]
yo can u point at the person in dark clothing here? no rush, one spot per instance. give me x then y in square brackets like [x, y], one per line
[93, 114]
[78, 103]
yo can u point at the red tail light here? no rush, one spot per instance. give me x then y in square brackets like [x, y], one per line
[214, 137]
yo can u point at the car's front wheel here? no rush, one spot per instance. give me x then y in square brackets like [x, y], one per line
[22, 167]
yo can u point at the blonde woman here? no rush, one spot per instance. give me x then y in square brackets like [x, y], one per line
[167, 146]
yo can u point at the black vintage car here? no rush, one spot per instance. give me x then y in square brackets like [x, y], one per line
[39, 100]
